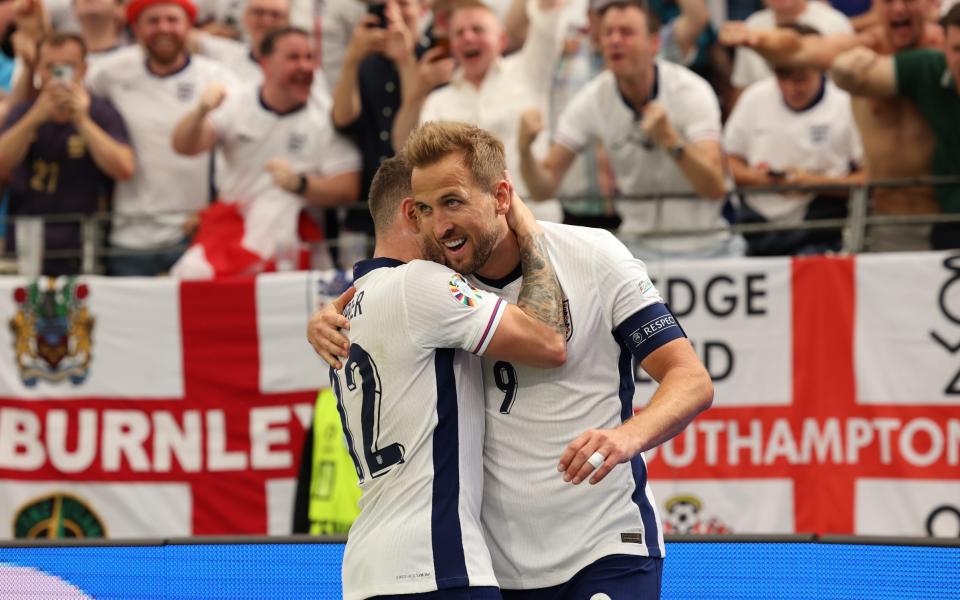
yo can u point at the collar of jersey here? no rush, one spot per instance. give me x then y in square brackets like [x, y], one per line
[503, 282]
[146, 64]
[816, 100]
[364, 267]
[495, 68]
[267, 108]
[654, 92]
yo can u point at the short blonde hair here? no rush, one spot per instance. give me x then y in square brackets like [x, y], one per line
[390, 185]
[482, 151]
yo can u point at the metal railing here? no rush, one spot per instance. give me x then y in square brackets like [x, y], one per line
[854, 226]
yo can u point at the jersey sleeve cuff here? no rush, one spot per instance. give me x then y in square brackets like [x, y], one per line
[648, 329]
[491, 327]
[568, 142]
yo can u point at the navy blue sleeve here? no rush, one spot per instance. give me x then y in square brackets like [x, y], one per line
[648, 329]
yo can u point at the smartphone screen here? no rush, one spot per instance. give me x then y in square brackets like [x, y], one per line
[444, 44]
[62, 72]
[380, 10]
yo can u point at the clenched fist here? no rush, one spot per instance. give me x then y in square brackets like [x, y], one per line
[283, 175]
[531, 124]
[212, 97]
[657, 127]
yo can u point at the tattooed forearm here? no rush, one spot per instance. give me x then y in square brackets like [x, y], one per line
[540, 293]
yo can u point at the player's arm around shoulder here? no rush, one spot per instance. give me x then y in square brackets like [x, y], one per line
[532, 332]
[326, 330]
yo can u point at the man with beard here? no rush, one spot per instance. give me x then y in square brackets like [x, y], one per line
[897, 141]
[930, 80]
[410, 394]
[153, 211]
[548, 539]
[260, 17]
[280, 153]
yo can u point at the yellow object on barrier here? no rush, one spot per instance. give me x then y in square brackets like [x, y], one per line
[334, 491]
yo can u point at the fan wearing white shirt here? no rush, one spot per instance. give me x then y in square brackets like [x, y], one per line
[488, 89]
[410, 395]
[151, 90]
[660, 126]
[795, 128]
[280, 153]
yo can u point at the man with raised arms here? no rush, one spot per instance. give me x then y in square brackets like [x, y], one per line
[930, 80]
[897, 141]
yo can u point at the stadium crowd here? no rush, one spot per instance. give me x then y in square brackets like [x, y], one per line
[228, 136]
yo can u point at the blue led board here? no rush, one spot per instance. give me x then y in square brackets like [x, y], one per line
[715, 570]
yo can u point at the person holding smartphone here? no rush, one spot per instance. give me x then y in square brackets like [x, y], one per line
[489, 89]
[61, 152]
[795, 128]
[367, 97]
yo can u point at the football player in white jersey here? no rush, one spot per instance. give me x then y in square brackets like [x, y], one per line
[548, 537]
[410, 395]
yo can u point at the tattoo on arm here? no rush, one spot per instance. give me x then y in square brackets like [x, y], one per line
[540, 293]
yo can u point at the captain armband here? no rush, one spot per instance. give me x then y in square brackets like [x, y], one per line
[648, 329]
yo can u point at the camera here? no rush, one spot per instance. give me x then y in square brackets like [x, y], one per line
[62, 72]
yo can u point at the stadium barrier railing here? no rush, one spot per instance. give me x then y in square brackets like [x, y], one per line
[854, 226]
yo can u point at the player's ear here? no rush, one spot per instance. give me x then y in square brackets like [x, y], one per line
[408, 214]
[503, 195]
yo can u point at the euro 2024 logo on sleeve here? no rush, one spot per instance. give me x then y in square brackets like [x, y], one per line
[463, 292]
[52, 331]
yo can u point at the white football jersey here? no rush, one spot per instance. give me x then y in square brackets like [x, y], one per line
[541, 530]
[250, 135]
[599, 112]
[150, 209]
[822, 138]
[412, 410]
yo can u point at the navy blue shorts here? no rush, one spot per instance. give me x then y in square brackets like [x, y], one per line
[473, 593]
[616, 577]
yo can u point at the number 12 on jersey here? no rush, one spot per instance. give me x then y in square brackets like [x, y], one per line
[378, 460]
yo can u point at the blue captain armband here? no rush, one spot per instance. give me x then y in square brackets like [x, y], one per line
[648, 329]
